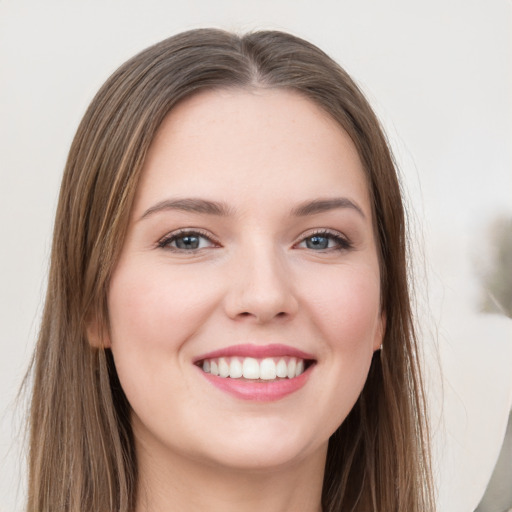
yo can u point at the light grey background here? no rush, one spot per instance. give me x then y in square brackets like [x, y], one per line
[438, 73]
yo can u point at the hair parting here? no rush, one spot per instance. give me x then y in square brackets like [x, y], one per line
[82, 453]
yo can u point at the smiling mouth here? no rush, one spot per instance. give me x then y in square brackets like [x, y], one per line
[255, 369]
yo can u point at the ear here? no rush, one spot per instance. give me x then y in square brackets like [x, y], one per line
[379, 332]
[97, 333]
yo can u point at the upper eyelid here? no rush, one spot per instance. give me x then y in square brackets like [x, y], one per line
[313, 231]
[206, 234]
[186, 231]
[322, 231]
[344, 240]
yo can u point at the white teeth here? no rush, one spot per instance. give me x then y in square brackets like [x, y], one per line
[251, 368]
[268, 369]
[292, 363]
[223, 367]
[299, 368]
[282, 369]
[235, 368]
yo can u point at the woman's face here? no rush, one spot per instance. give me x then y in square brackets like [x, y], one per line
[250, 253]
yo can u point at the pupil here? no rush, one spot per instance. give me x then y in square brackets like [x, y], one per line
[187, 242]
[317, 242]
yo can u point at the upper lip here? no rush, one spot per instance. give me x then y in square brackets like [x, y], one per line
[256, 351]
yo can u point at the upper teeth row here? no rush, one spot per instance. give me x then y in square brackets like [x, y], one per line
[251, 368]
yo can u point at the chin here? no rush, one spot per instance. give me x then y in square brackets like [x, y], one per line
[264, 447]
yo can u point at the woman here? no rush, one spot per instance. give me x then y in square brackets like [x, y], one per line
[227, 323]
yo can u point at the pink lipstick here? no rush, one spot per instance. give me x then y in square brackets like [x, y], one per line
[255, 372]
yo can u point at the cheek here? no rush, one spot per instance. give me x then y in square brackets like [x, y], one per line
[149, 306]
[344, 308]
[153, 312]
[347, 308]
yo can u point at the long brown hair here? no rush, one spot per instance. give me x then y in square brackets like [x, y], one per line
[82, 453]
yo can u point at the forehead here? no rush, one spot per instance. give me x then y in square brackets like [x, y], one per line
[263, 142]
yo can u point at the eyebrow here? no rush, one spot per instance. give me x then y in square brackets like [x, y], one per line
[189, 205]
[324, 205]
[204, 206]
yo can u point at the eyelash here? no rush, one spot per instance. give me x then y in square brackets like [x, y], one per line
[182, 233]
[342, 243]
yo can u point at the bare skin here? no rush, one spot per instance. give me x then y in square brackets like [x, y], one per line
[193, 487]
[252, 227]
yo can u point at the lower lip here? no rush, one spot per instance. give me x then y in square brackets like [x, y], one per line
[259, 391]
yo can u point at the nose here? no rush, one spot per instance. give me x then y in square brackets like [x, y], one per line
[261, 288]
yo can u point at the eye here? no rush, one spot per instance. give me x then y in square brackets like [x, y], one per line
[186, 241]
[325, 241]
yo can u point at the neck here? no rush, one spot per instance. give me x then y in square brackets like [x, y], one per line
[176, 483]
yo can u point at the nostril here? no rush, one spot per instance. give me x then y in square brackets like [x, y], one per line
[262, 317]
